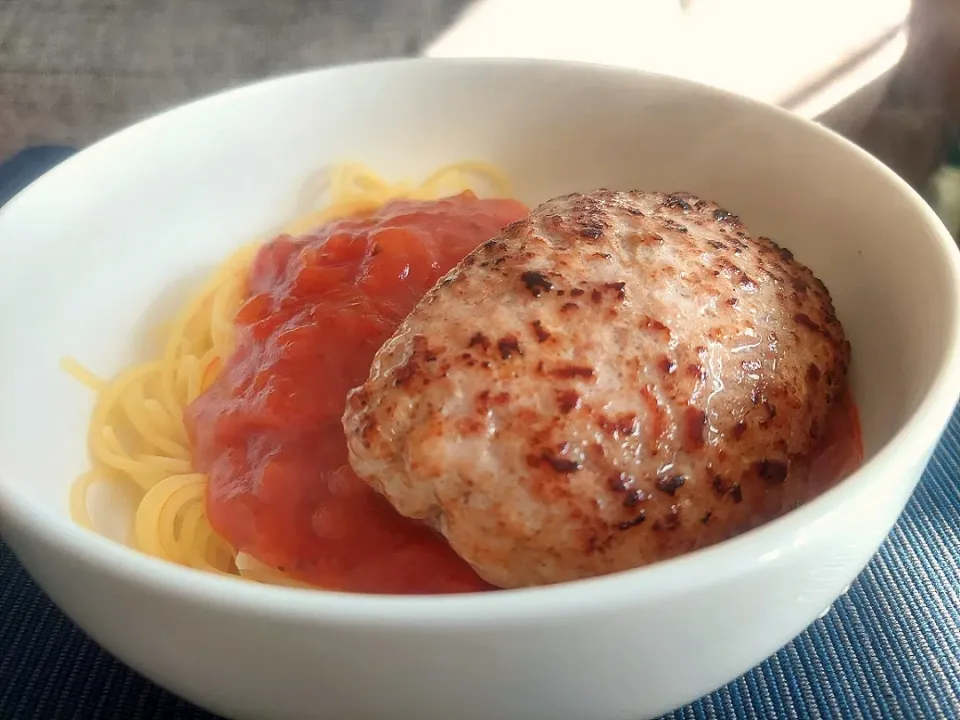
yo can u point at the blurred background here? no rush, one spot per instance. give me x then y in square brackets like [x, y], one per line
[885, 73]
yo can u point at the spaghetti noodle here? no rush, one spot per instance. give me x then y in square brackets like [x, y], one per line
[137, 434]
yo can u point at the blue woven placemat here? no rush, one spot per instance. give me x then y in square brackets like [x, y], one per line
[890, 648]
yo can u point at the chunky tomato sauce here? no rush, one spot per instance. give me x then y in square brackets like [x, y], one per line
[268, 430]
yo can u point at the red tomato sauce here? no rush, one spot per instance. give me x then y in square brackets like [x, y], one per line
[268, 430]
[841, 451]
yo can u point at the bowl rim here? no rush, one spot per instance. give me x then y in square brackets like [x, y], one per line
[727, 559]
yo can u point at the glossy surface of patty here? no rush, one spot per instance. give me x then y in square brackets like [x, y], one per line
[619, 378]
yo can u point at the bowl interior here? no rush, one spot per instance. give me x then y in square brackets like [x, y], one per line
[98, 252]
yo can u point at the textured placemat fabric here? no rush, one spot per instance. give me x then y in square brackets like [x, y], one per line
[890, 648]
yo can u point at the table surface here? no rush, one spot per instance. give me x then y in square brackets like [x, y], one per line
[889, 648]
[72, 71]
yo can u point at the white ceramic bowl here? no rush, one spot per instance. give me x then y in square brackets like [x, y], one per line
[91, 251]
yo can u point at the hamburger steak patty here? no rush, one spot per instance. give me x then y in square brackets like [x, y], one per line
[619, 378]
